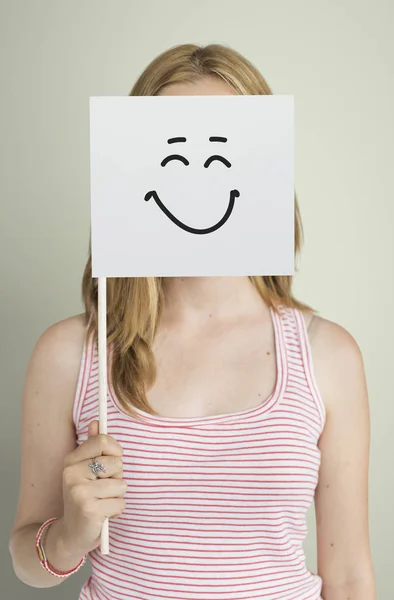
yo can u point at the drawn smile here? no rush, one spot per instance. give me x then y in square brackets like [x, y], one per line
[233, 194]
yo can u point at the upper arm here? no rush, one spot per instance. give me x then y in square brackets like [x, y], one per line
[341, 499]
[47, 429]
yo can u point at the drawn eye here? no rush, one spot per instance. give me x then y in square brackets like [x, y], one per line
[219, 158]
[174, 157]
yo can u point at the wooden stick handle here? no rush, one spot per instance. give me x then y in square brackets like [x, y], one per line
[102, 356]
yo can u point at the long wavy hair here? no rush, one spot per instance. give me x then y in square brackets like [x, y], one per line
[134, 304]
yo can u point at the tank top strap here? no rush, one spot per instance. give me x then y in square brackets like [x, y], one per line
[87, 377]
[299, 364]
[291, 333]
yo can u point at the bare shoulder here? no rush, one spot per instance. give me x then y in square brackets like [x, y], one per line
[330, 338]
[62, 341]
[55, 361]
[337, 360]
[67, 329]
[332, 342]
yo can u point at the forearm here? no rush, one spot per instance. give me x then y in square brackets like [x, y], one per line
[26, 563]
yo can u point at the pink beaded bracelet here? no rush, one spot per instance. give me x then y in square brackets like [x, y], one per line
[42, 555]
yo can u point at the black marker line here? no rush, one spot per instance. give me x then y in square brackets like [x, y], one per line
[216, 138]
[233, 194]
[176, 139]
[167, 159]
[217, 157]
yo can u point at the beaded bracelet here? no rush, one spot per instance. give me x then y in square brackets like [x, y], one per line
[42, 555]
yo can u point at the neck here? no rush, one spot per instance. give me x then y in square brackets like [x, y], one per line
[198, 298]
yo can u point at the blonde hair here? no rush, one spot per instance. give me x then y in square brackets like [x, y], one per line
[134, 305]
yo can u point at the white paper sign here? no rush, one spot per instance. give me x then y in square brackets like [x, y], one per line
[192, 185]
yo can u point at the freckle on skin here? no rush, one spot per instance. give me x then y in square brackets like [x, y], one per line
[332, 545]
[268, 353]
[328, 485]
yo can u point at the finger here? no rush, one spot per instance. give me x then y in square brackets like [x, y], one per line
[108, 488]
[95, 446]
[110, 507]
[113, 467]
[93, 428]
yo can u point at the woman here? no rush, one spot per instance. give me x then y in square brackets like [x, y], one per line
[231, 407]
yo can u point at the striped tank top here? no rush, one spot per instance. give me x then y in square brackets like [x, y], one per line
[215, 506]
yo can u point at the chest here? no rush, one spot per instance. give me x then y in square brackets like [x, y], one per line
[213, 372]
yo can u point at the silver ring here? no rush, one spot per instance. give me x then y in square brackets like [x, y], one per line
[96, 467]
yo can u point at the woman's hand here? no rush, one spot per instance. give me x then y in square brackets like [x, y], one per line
[89, 500]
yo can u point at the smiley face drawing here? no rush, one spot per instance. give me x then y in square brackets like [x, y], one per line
[215, 157]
